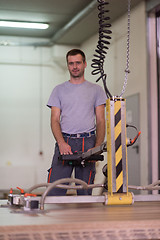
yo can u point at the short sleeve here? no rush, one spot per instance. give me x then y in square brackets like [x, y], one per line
[54, 100]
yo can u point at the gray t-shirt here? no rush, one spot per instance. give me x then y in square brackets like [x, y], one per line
[77, 103]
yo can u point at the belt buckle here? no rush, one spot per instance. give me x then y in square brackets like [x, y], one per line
[89, 134]
[78, 135]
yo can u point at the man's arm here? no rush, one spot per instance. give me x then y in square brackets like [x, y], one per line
[64, 148]
[100, 125]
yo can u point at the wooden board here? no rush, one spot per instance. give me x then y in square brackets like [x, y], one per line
[82, 221]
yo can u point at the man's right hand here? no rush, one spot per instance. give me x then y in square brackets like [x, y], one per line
[65, 148]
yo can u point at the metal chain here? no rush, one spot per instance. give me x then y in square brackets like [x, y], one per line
[127, 71]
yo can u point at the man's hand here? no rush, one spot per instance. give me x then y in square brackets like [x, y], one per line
[65, 148]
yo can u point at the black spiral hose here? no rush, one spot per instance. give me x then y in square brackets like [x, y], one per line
[103, 41]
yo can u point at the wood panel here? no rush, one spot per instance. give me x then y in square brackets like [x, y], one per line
[82, 221]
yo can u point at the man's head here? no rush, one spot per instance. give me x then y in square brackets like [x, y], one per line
[74, 52]
[76, 62]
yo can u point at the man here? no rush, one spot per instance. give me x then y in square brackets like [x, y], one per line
[75, 105]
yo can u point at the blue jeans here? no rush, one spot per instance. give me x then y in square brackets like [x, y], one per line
[60, 170]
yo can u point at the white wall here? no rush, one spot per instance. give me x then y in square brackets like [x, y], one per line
[27, 77]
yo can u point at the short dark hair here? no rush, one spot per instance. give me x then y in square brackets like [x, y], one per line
[74, 52]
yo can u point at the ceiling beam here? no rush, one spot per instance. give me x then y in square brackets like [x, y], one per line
[73, 21]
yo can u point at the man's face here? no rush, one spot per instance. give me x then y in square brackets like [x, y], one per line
[76, 66]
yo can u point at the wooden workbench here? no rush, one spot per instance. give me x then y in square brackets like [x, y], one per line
[82, 221]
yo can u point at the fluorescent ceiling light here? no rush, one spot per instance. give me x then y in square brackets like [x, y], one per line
[23, 24]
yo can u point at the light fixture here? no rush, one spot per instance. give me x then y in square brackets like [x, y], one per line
[16, 24]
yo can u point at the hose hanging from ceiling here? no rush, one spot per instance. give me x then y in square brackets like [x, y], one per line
[101, 50]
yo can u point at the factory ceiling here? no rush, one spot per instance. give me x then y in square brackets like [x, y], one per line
[71, 22]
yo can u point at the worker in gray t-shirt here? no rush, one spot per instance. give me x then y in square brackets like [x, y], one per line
[77, 122]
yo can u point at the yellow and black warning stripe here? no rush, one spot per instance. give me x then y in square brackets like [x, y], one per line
[118, 147]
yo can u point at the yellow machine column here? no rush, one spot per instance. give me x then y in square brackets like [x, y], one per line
[117, 152]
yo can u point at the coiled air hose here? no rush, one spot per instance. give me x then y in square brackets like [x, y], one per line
[101, 50]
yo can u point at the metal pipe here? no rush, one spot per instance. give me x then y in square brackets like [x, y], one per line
[74, 21]
[54, 184]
